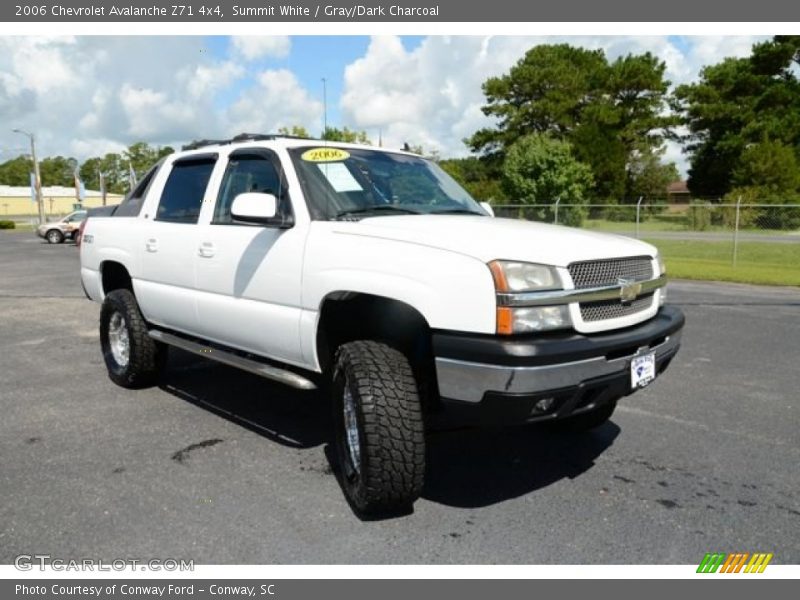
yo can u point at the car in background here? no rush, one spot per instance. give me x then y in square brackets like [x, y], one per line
[55, 232]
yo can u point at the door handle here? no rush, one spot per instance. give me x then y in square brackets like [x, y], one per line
[152, 245]
[207, 250]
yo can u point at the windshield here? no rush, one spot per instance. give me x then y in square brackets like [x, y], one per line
[354, 182]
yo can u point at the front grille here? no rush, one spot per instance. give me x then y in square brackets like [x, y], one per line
[614, 309]
[600, 273]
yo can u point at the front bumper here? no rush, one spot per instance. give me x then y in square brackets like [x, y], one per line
[507, 378]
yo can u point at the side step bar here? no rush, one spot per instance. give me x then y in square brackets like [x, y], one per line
[234, 360]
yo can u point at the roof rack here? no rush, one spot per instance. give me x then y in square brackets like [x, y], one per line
[242, 137]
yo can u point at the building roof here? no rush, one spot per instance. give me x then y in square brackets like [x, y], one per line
[50, 191]
[678, 187]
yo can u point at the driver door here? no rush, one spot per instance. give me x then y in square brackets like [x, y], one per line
[249, 276]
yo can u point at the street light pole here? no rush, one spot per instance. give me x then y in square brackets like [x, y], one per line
[324, 106]
[37, 178]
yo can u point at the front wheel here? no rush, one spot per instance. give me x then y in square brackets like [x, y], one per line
[54, 236]
[132, 357]
[379, 431]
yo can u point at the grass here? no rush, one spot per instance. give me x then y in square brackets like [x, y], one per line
[757, 262]
[644, 226]
[21, 227]
[658, 224]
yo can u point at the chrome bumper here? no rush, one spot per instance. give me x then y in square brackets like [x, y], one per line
[470, 381]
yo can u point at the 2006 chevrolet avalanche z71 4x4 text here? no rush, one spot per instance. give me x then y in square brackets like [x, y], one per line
[372, 274]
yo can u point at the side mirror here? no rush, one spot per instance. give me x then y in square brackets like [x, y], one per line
[488, 208]
[252, 207]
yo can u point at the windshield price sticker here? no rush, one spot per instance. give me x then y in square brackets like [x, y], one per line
[325, 155]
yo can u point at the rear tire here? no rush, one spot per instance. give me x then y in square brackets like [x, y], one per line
[133, 358]
[379, 430]
[587, 421]
[54, 236]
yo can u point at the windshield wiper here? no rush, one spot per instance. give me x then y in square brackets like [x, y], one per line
[456, 211]
[377, 208]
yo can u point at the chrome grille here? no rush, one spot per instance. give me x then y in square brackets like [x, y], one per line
[600, 273]
[614, 309]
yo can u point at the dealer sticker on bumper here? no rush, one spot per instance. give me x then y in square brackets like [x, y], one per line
[643, 369]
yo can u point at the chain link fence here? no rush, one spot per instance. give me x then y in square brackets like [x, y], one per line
[751, 242]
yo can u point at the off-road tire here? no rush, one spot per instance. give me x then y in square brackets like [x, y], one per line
[54, 236]
[146, 357]
[587, 421]
[391, 431]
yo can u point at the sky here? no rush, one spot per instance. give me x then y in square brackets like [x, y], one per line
[85, 96]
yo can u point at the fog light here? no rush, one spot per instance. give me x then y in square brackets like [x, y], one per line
[543, 405]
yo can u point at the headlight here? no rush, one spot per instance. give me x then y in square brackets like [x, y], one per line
[662, 270]
[511, 277]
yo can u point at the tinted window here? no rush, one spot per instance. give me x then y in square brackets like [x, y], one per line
[183, 193]
[132, 203]
[75, 217]
[247, 173]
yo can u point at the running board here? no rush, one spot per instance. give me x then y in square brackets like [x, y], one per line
[234, 360]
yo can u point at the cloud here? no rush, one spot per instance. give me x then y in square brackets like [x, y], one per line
[253, 47]
[93, 94]
[431, 95]
[277, 100]
[90, 95]
[203, 80]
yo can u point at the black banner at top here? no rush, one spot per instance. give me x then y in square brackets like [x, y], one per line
[206, 11]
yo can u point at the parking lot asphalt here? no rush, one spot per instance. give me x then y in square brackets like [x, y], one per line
[220, 466]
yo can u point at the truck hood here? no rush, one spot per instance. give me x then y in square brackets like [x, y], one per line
[487, 238]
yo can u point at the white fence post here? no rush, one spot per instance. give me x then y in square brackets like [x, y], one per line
[638, 210]
[556, 215]
[736, 230]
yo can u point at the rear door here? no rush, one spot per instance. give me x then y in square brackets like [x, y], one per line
[248, 276]
[165, 287]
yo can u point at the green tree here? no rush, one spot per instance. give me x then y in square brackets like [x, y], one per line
[334, 134]
[737, 103]
[58, 170]
[771, 166]
[540, 170]
[649, 177]
[477, 176]
[16, 171]
[768, 173]
[607, 111]
[295, 131]
[141, 156]
[90, 173]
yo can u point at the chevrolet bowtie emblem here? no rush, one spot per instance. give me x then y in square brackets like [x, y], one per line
[629, 290]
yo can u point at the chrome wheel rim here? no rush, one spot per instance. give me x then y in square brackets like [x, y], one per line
[351, 429]
[52, 236]
[118, 339]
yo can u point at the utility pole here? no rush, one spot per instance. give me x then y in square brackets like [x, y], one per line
[102, 179]
[37, 178]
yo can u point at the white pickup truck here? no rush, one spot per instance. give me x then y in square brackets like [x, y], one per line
[372, 275]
